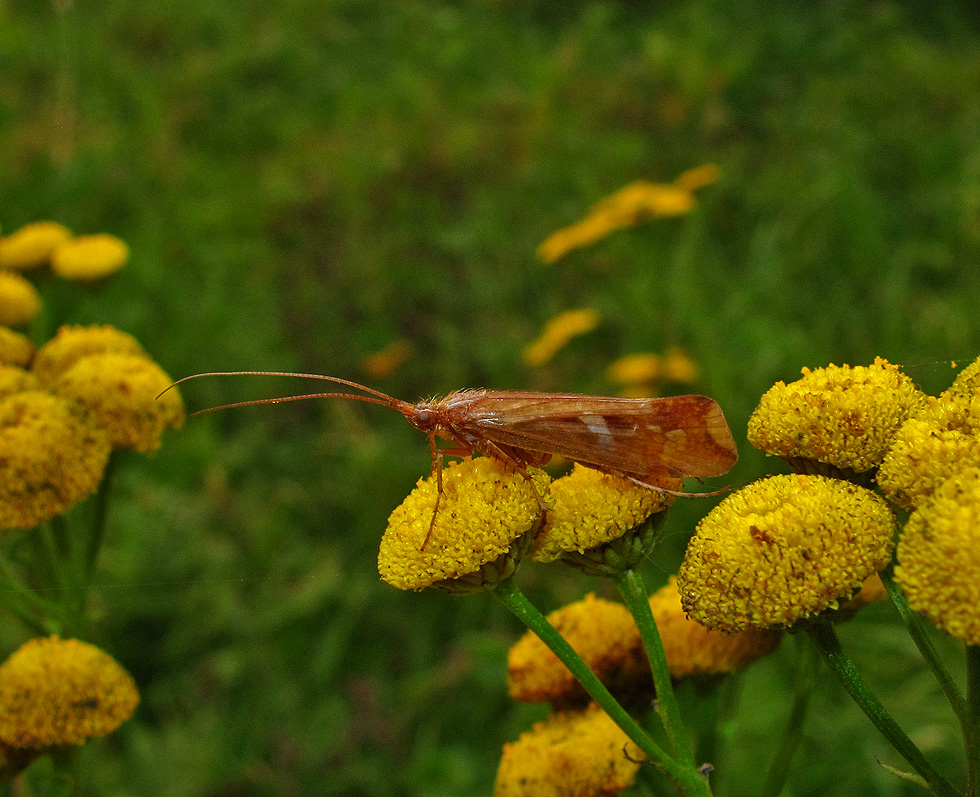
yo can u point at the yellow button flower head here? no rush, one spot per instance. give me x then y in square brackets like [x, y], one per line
[839, 416]
[120, 392]
[783, 549]
[930, 447]
[558, 332]
[582, 754]
[89, 257]
[939, 556]
[15, 349]
[32, 244]
[62, 691]
[692, 650]
[16, 380]
[385, 362]
[19, 300]
[72, 343]
[602, 632]
[678, 367]
[698, 177]
[592, 509]
[50, 458]
[480, 533]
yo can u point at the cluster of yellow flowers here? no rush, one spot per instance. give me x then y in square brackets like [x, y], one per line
[63, 408]
[489, 519]
[79, 258]
[796, 547]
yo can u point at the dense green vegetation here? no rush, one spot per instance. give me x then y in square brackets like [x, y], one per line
[303, 183]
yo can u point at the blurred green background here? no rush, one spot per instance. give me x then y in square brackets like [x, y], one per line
[303, 183]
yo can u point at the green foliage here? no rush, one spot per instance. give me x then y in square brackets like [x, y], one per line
[302, 183]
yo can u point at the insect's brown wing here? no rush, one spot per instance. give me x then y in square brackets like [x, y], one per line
[686, 434]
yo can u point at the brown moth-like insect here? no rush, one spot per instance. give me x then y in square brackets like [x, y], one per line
[640, 439]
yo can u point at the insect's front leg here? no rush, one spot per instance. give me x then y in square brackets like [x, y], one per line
[437, 458]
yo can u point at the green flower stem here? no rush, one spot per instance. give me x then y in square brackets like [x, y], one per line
[97, 530]
[803, 680]
[917, 630]
[825, 639]
[971, 727]
[21, 601]
[687, 778]
[635, 596]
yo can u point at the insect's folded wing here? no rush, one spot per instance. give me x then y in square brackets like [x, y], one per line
[686, 434]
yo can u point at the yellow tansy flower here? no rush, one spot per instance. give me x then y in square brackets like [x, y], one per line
[939, 556]
[692, 650]
[590, 230]
[571, 753]
[15, 349]
[16, 380]
[633, 369]
[839, 416]
[50, 458]
[32, 244]
[481, 529]
[558, 332]
[19, 300]
[62, 691]
[120, 393]
[783, 549]
[591, 509]
[602, 632]
[74, 342]
[931, 446]
[89, 257]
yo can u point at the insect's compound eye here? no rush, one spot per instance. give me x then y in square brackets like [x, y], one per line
[424, 416]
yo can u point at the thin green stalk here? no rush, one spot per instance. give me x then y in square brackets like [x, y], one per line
[686, 778]
[971, 727]
[825, 639]
[634, 593]
[21, 600]
[97, 530]
[919, 633]
[803, 680]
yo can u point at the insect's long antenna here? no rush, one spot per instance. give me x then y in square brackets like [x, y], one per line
[284, 399]
[381, 398]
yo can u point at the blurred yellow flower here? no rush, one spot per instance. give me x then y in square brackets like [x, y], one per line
[120, 393]
[698, 177]
[57, 692]
[783, 549]
[16, 380]
[558, 332]
[50, 458]
[839, 416]
[89, 257]
[384, 362]
[479, 536]
[678, 367]
[571, 753]
[19, 300]
[636, 202]
[15, 348]
[930, 446]
[693, 650]
[602, 632]
[939, 556]
[633, 369]
[32, 244]
[74, 342]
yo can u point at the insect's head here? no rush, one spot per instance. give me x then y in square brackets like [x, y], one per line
[423, 416]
